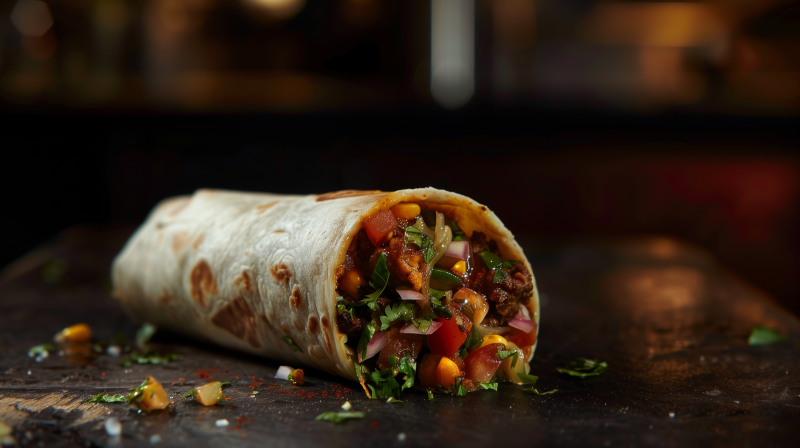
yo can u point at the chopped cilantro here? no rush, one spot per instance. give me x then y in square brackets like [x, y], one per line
[424, 242]
[191, 394]
[255, 392]
[764, 335]
[343, 305]
[403, 310]
[439, 309]
[393, 400]
[103, 398]
[423, 323]
[474, 340]
[499, 276]
[583, 367]
[291, 343]
[149, 357]
[435, 293]
[534, 391]
[430, 394]
[40, 350]
[383, 383]
[461, 391]
[339, 417]
[366, 336]
[528, 379]
[136, 394]
[489, 386]
[503, 354]
[509, 263]
[144, 334]
[378, 282]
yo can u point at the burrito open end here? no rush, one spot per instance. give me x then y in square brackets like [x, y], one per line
[415, 288]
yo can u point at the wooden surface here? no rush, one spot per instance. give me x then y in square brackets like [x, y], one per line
[669, 321]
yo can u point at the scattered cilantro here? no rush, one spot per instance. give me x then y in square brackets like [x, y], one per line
[435, 293]
[255, 392]
[499, 276]
[191, 394]
[463, 353]
[291, 343]
[403, 310]
[503, 354]
[764, 335]
[458, 234]
[383, 383]
[474, 340]
[528, 379]
[144, 334]
[103, 398]
[366, 336]
[339, 417]
[583, 367]
[40, 350]
[423, 323]
[378, 282]
[430, 395]
[534, 391]
[393, 400]
[461, 391]
[135, 394]
[149, 357]
[439, 309]
[343, 305]
[489, 386]
[424, 242]
[225, 384]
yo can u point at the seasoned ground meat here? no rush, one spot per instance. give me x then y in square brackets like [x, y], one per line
[349, 326]
[382, 303]
[479, 244]
[404, 262]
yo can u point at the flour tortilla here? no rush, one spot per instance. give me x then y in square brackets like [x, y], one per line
[244, 270]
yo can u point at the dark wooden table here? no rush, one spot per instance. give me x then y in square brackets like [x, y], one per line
[669, 321]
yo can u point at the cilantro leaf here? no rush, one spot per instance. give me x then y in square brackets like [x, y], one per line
[435, 293]
[474, 340]
[534, 391]
[423, 323]
[403, 310]
[393, 400]
[103, 398]
[378, 282]
[461, 392]
[765, 335]
[291, 344]
[491, 260]
[339, 417]
[440, 310]
[489, 386]
[499, 276]
[583, 367]
[149, 357]
[528, 379]
[144, 334]
[383, 383]
[40, 350]
[424, 242]
[430, 394]
[343, 305]
[191, 394]
[366, 336]
[503, 354]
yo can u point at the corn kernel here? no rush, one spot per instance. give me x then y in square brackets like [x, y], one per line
[459, 268]
[493, 339]
[75, 333]
[351, 281]
[405, 210]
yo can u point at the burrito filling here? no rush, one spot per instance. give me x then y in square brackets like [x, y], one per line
[422, 303]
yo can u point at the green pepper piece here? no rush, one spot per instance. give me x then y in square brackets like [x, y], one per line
[491, 260]
[444, 280]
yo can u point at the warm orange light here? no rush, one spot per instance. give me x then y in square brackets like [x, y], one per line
[279, 9]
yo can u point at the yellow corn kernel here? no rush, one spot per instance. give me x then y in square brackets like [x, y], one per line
[149, 396]
[405, 210]
[351, 281]
[493, 339]
[459, 268]
[75, 333]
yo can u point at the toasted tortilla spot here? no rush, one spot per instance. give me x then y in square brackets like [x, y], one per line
[244, 281]
[324, 321]
[278, 232]
[179, 208]
[238, 319]
[179, 241]
[327, 342]
[483, 207]
[263, 318]
[313, 325]
[345, 194]
[280, 272]
[296, 299]
[271, 317]
[197, 241]
[166, 298]
[285, 329]
[202, 282]
[264, 207]
[298, 326]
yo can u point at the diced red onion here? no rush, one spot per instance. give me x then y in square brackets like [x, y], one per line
[522, 324]
[457, 249]
[379, 340]
[523, 312]
[408, 294]
[283, 373]
[409, 328]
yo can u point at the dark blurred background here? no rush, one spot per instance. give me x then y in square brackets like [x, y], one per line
[569, 118]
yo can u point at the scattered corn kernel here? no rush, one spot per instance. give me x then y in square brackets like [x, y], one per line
[210, 394]
[405, 210]
[459, 268]
[351, 281]
[149, 396]
[493, 339]
[75, 333]
[446, 373]
[297, 377]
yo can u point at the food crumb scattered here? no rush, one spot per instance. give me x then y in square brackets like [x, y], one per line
[401, 437]
[222, 422]
[347, 406]
[104, 373]
[113, 426]
[155, 438]
[204, 376]
[373, 424]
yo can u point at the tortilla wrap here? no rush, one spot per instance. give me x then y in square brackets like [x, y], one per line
[245, 270]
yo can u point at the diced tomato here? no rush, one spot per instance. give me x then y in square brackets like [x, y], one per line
[522, 339]
[449, 337]
[456, 358]
[380, 227]
[481, 364]
[427, 370]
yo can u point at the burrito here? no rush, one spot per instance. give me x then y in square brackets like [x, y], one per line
[415, 288]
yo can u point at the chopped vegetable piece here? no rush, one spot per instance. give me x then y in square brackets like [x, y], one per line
[512, 366]
[458, 234]
[352, 281]
[347, 406]
[383, 384]
[40, 352]
[493, 339]
[440, 310]
[583, 367]
[765, 335]
[444, 280]
[424, 242]
[499, 276]
[143, 334]
[380, 227]
[409, 294]
[339, 417]
[402, 311]
[449, 337]
[102, 397]
[459, 268]
[378, 282]
[489, 386]
[283, 373]
[291, 343]
[75, 333]
[297, 377]
[534, 391]
[149, 396]
[491, 260]
[411, 328]
[523, 324]
[522, 339]
[149, 357]
[528, 379]
[481, 365]
[405, 210]
[430, 395]
[446, 373]
[366, 338]
[478, 308]
[474, 340]
[209, 394]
